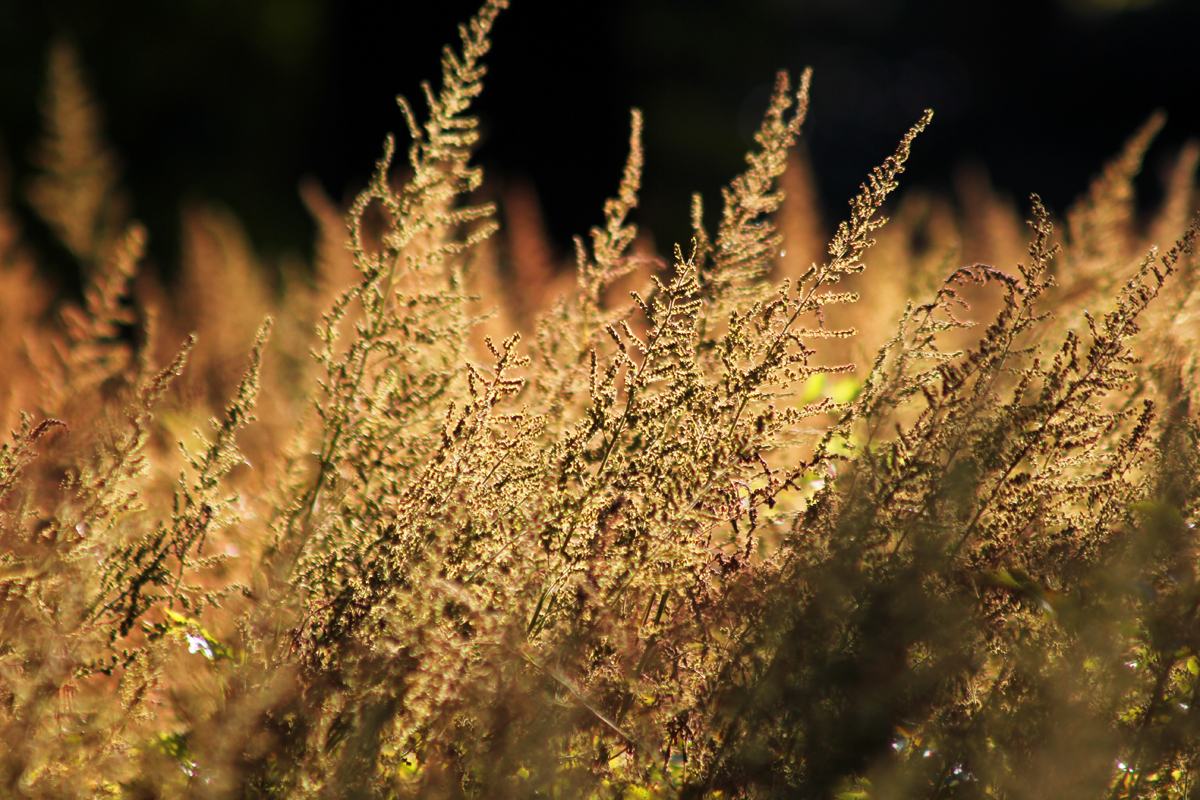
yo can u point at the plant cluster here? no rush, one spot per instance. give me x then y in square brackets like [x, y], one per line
[665, 541]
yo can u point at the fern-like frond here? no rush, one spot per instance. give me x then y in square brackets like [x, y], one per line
[76, 190]
[96, 346]
[1100, 225]
[607, 262]
[153, 568]
[409, 345]
[16, 456]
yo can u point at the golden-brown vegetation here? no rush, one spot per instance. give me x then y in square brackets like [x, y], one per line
[758, 518]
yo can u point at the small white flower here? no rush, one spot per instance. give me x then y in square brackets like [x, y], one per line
[198, 644]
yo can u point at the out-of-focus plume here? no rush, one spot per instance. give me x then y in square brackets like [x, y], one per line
[1181, 199]
[491, 304]
[799, 218]
[76, 190]
[333, 264]
[222, 298]
[24, 300]
[1102, 224]
[993, 231]
[534, 274]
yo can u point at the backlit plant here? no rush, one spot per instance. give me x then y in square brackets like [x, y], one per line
[660, 538]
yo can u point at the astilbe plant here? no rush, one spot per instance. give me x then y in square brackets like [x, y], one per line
[644, 553]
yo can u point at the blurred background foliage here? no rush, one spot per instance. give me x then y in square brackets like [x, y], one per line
[236, 101]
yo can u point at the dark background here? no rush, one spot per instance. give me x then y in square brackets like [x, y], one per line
[235, 101]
